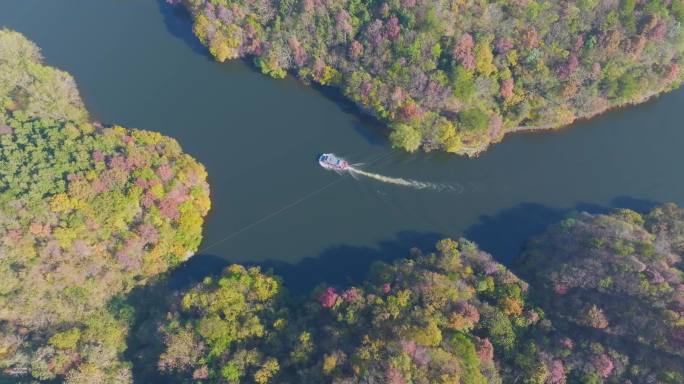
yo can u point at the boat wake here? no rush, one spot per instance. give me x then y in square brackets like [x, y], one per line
[334, 163]
[401, 181]
[394, 180]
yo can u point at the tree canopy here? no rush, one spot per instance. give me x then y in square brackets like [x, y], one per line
[86, 214]
[614, 286]
[481, 69]
[604, 304]
[89, 212]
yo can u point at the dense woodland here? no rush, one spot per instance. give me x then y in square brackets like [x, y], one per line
[605, 304]
[87, 213]
[435, 318]
[614, 286]
[456, 75]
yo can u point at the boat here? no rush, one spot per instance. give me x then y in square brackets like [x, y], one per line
[330, 161]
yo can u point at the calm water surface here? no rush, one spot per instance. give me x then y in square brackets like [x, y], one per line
[137, 64]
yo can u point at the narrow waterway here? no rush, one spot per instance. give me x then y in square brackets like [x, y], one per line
[137, 64]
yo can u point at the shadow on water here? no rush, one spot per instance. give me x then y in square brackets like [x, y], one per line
[369, 127]
[343, 265]
[340, 265]
[178, 22]
[638, 205]
[504, 234]
[144, 342]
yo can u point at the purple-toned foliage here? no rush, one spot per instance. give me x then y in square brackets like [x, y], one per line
[352, 295]
[568, 67]
[485, 349]
[503, 45]
[355, 50]
[394, 376]
[343, 21]
[165, 172]
[463, 51]
[556, 373]
[506, 88]
[328, 297]
[393, 28]
[603, 364]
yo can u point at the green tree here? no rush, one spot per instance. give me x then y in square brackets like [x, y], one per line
[406, 137]
[473, 120]
[464, 85]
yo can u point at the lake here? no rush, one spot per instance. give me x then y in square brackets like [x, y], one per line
[137, 64]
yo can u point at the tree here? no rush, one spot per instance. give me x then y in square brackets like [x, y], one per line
[627, 86]
[406, 137]
[484, 58]
[464, 86]
[473, 120]
[222, 328]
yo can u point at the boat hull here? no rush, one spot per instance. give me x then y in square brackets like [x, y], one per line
[332, 162]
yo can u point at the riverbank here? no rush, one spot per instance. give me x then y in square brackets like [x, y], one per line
[462, 88]
[217, 112]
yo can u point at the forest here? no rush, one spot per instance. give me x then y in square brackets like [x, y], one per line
[90, 213]
[457, 76]
[86, 213]
[603, 303]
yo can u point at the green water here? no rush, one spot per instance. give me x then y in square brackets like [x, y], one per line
[137, 64]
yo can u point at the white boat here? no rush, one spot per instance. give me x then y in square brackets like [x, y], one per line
[330, 161]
